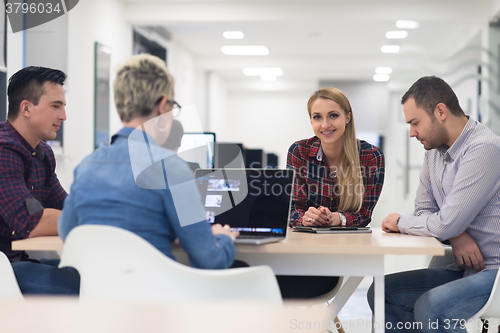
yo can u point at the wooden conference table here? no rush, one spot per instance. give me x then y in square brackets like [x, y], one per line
[350, 255]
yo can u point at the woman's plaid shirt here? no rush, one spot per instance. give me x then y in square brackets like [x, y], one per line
[315, 185]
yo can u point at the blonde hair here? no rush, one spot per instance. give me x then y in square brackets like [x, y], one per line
[351, 180]
[140, 84]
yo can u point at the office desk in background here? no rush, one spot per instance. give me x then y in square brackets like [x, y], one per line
[352, 255]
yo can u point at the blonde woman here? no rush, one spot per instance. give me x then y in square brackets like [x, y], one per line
[338, 179]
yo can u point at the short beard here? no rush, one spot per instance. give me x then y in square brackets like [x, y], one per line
[439, 137]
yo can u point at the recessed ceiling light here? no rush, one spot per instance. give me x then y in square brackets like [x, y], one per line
[245, 50]
[268, 78]
[396, 34]
[383, 70]
[406, 24]
[263, 71]
[233, 34]
[381, 77]
[390, 48]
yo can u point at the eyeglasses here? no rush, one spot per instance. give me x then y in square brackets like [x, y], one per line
[176, 107]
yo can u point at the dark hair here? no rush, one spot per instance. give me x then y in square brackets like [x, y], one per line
[429, 91]
[175, 137]
[27, 84]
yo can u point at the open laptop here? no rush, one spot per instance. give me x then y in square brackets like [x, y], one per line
[333, 230]
[255, 202]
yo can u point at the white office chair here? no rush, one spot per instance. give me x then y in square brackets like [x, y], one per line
[491, 310]
[326, 298]
[116, 264]
[9, 289]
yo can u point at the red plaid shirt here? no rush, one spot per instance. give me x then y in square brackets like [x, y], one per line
[28, 184]
[314, 185]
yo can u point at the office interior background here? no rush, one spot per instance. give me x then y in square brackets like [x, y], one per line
[316, 43]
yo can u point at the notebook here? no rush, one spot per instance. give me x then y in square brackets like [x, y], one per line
[255, 202]
[333, 230]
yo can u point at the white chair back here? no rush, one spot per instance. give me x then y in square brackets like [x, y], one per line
[9, 288]
[492, 307]
[117, 264]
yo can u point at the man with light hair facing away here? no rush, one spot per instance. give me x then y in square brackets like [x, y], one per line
[124, 184]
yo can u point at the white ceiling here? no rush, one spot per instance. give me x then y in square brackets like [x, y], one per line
[313, 39]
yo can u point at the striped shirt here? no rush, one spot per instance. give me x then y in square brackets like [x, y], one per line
[460, 191]
[315, 184]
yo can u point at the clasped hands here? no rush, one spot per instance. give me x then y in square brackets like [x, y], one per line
[320, 217]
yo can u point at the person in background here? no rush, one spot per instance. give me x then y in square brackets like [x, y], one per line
[338, 179]
[123, 184]
[31, 196]
[458, 200]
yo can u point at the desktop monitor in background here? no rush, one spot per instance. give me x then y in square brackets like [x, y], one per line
[272, 161]
[254, 158]
[198, 148]
[381, 143]
[229, 155]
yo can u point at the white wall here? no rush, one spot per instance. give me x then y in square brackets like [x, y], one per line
[369, 103]
[86, 25]
[217, 111]
[271, 120]
[47, 44]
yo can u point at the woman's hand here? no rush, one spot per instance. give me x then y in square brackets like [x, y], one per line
[218, 229]
[320, 217]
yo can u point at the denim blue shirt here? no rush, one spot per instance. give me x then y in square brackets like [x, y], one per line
[106, 191]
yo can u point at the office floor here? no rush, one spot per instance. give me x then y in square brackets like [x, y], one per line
[356, 316]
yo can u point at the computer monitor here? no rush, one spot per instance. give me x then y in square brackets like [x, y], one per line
[272, 160]
[254, 158]
[198, 147]
[230, 155]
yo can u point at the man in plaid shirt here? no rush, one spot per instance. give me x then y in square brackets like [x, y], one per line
[31, 197]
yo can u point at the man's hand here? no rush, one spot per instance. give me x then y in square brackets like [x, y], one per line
[467, 252]
[390, 223]
[218, 229]
[47, 226]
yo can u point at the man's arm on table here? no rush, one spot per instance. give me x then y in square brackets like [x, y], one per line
[23, 213]
[47, 226]
[476, 182]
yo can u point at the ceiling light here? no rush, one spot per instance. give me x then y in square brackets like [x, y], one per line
[381, 77]
[396, 34]
[233, 34]
[383, 70]
[244, 50]
[268, 78]
[263, 71]
[390, 48]
[406, 24]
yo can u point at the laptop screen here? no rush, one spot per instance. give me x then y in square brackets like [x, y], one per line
[251, 201]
